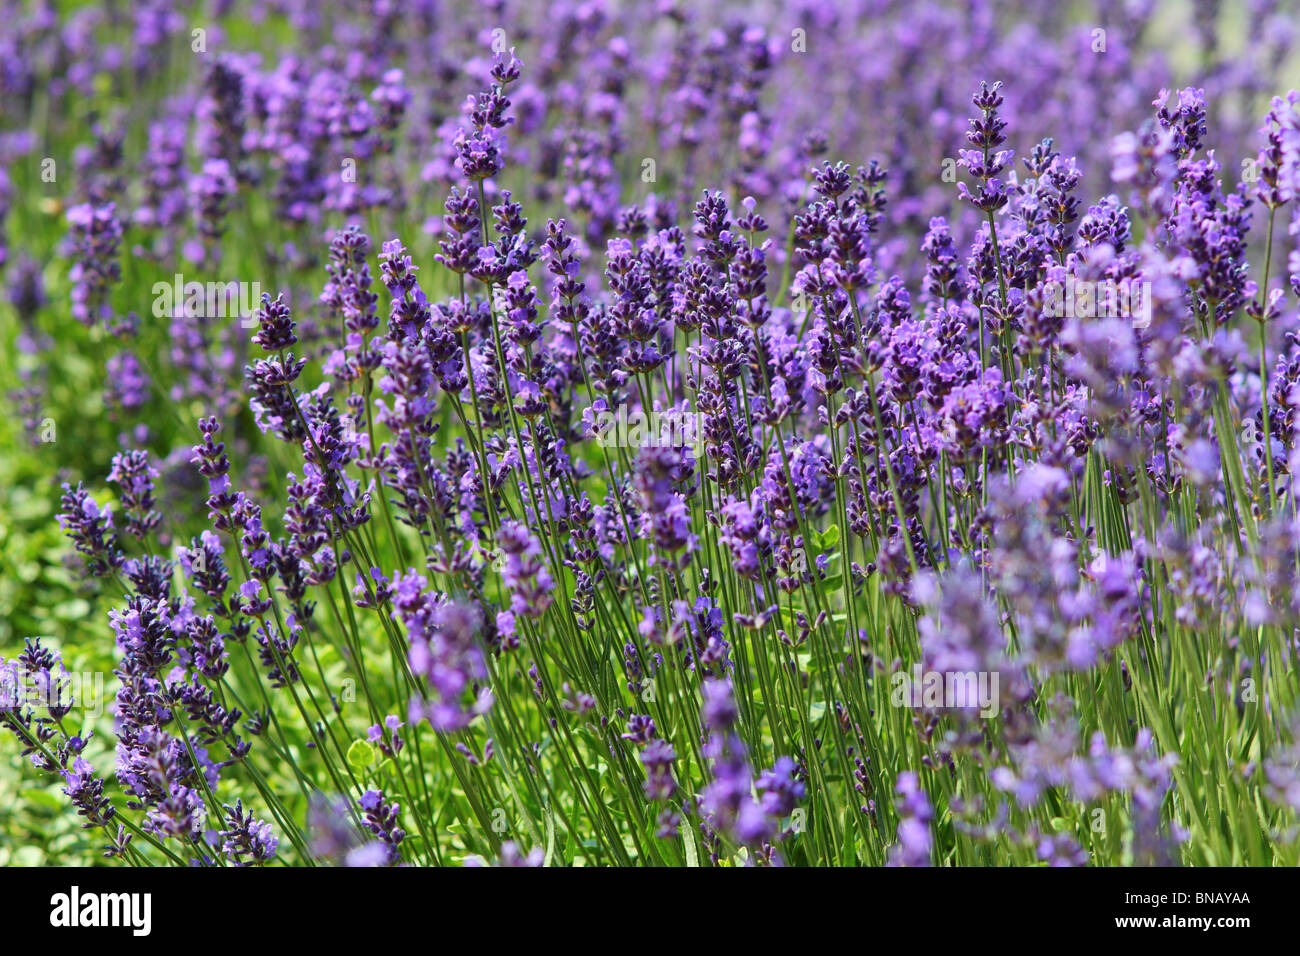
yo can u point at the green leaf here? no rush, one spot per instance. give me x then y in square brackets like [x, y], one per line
[550, 837]
[360, 755]
[830, 537]
[692, 857]
[832, 582]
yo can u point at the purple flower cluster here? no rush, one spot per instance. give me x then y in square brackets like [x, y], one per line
[608, 513]
[728, 804]
[445, 651]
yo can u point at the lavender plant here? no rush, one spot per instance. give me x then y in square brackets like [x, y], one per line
[853, 434]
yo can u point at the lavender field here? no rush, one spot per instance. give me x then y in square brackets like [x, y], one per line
[455, 433]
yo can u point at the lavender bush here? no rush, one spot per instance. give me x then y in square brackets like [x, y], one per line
[650, 434]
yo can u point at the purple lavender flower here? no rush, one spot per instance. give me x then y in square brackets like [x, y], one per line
[93, 238]
[915, 842]
[523, 572]
[445, 652]
[250, 842]
[133, 473]
[91, 529]
[381, 819]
